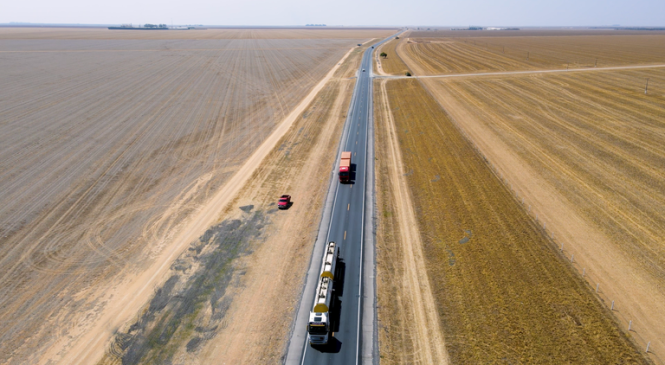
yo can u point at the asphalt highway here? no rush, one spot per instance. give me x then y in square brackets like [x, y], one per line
[346, 227]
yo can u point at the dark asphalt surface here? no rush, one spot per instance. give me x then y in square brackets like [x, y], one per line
[346, 228]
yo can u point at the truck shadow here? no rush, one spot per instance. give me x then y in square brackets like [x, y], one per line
[339, 278]
[333, 346]
[339, 292]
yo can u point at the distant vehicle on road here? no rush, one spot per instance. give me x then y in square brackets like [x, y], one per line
[363, 70]
[345, 167]
[284, 202]
[359, 44]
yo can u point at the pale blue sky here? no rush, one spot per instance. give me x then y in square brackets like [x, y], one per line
[339, 12]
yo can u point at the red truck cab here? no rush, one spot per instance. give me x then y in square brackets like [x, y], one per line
[284, 202]
[345, 167]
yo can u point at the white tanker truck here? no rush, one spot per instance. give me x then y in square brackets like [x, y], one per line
[319, 318]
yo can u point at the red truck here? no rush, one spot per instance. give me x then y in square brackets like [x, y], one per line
[345, 167]
[284, 202]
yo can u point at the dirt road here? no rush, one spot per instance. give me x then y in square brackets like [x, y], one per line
[508, 73]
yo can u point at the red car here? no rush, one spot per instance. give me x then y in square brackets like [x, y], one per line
[284, 202]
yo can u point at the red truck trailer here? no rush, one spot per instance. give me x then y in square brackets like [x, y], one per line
[345, 167]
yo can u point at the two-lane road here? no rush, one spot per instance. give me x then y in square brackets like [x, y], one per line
[346, 227]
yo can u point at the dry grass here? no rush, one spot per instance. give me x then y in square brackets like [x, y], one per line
[586, 150]
[396, 336]
[242, 33]
[526, 32]
[410, 331]
[595, 137]
[392, 64]
[464, 55]
[105, 153]
[502, 292]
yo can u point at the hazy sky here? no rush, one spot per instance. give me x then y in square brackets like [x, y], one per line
[338, 12]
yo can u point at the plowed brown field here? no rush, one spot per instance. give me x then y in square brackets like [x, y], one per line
[242, 316]
[444, 55]
[503, 292]
[106, 148]
[240, 33]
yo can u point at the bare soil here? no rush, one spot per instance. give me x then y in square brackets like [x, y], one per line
[260, 317]
[191, 34]
[115, 159]
[246, 315]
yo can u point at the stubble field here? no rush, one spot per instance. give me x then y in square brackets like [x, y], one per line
[448, 55]
[503, 293]
[581, 152]
[585, 150]
[108, 147]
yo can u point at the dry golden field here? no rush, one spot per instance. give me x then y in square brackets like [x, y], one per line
[392, 64]
[582, 150]
[503, 292]
[447, 55]
[409, 325]
[526, 32]
[106, 148]
[586, 150]
[595, 137]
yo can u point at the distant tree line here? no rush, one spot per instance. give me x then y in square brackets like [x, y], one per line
[155, 26]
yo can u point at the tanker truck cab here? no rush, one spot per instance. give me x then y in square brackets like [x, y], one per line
[318, 327]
